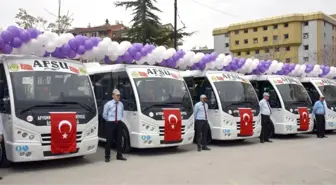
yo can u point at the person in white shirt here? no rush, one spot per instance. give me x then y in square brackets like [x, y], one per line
[1, 136]
[265, 111]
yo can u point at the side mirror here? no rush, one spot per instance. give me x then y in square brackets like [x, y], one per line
[5, 104]
[2, 89]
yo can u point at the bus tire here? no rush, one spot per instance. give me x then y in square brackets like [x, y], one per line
[209, 136]
[125, 144]
[4, 162]
[271, 131]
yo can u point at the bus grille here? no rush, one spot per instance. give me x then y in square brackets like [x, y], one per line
[238, 125]
[172, 142]
[46, 138]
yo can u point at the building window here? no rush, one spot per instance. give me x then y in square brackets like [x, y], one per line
[305, 59]
[305, 36]
[265, 28]
[275, 37]
[227, 45]
[226, 34]
[255, 29]
[325, 35]
[277, 49]
[275, 26]
[257, 52]
[286, 36]
[246, 41]
[237, 32]
[306, 23]
[306, 47]
[239, 53]
[248, 52]
[237, 42]
[246, 31]
[288, 60]
[267, 50]
[288, 48]
[255, 40]
[265, 39]
[286, 25]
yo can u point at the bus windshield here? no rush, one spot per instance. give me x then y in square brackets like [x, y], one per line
[328, 92]
[236, 93]
[162, 92]
[47, 87]
[294, 94]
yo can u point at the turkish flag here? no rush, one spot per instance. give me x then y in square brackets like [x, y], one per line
[246, 121]
[172, 125]
[63, 132]
[304, 118]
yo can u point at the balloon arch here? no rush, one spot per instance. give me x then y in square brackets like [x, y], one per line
[19, 41]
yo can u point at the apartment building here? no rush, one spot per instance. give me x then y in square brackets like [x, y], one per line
[297, 38]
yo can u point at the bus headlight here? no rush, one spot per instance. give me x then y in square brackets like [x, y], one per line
[91, 131]
[146, 127]
[24, 135]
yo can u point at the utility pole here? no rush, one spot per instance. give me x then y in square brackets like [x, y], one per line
[59, 16]
[175, 24]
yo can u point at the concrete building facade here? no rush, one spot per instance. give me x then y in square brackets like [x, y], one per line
[297, 38]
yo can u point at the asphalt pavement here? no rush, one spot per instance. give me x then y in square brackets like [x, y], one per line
[302, 159]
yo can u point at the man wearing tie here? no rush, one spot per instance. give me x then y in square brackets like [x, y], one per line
[113, 114]
[265, 110]
[319, 111]
[1, 135]
[201, 124]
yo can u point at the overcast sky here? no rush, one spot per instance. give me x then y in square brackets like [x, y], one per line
[198, 15]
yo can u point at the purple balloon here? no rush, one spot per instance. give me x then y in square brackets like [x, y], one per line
[72, 53]
[138, 56]
[65, 49]
[107, 59]
[14, 30]
[34, 33]
[144, 51]
[95, 40]
[2, 43]
[46, 54]
[132, 51]
[25, 36]
[88, 45]
[7, 49]
[80, 39]
[81, 50]
[127, 57]
[16, 42]
[138, 46]
[73, 44]
[7, 36]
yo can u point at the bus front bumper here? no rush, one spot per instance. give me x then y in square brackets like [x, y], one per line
[223, 133]
[147, 140]
[290, 128]
[23, 152]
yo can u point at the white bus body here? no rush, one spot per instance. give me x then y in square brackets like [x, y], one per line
[30, 88]
[145, 92]
[226, 92]
[326, 87]
[287, 95]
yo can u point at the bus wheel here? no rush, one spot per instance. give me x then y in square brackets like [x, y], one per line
[125, 140]
[4, 162]
[209, 136]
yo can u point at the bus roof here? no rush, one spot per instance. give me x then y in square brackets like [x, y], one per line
[95, 67]
[308, 79]
[4, 57]
[199, 73]
[265, 77]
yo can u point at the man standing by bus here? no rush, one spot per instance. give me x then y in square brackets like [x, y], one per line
[113, 114]
[201, 124]
[265, 110]
[319, 113]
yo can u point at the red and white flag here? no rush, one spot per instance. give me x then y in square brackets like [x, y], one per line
[304, 118]
[172, 125]
[63, 132]
[246, 121]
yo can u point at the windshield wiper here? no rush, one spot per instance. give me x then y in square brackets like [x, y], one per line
[154, 105]
[85, 106]
[239, 103]
[39, 105]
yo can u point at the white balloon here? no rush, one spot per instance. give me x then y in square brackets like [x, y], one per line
[50, 47]
[42, 39]
[69, 36]
[113, 57]
[107, 40]
[114, 46]
[125, 44]
[39, 51]
[279, 66]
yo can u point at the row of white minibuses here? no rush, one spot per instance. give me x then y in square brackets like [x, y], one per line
[158, 105]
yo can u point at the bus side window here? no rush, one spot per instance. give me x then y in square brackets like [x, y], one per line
[313, 94]
[4, 93]
[203, 86]
[123, 84]
[191, 87]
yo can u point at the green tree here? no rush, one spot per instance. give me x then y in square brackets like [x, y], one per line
[146, 26]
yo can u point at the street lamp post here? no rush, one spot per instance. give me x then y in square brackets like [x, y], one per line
[175, 24]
